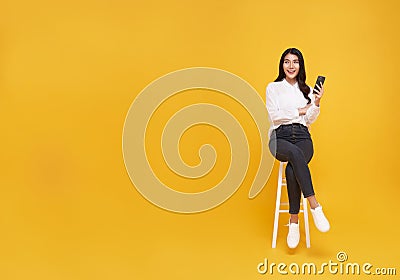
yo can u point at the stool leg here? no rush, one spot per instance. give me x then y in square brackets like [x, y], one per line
[277, 205]
[306, 224]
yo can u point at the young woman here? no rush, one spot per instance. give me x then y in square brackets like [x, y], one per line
[292, 106]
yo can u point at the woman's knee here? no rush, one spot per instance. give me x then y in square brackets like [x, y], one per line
[307, 148]
[295, 154]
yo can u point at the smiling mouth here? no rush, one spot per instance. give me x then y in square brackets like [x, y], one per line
[291, 71]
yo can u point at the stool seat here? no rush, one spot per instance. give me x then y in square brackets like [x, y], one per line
[278, 209]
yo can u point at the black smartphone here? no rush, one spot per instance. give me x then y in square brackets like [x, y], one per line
[320, 80]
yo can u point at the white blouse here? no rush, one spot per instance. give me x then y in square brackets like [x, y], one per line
[283, 101]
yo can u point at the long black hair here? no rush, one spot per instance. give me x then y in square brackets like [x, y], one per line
[301, 77]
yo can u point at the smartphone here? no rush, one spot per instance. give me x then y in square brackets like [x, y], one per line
[320, 80]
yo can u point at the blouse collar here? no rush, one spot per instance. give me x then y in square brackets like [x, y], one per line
[296, 85]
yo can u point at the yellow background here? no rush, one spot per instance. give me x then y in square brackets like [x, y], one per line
[69, 71]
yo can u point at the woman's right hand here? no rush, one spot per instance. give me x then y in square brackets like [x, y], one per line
[303, 111]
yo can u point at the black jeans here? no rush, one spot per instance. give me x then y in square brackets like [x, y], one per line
[292, 143]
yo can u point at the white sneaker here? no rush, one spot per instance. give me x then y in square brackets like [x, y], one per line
[320, 220]
[293, 236]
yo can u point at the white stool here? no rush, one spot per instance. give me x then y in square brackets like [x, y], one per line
[278, 210]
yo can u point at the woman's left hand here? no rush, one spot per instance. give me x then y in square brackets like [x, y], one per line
[318, 93]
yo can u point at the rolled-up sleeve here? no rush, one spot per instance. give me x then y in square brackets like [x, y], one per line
[312, 112]
[276, 114]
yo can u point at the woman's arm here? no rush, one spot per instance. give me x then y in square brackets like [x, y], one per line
[311, 114]
[314, 110]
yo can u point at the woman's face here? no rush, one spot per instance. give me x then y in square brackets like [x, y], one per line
[291, 66]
